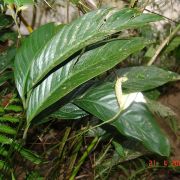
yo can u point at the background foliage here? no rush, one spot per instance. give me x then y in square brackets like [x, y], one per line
[87, 92]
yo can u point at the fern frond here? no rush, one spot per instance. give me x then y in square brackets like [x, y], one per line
[27, 154]
[5, 140]
[14, 108]
[7, 129]
[10, 119]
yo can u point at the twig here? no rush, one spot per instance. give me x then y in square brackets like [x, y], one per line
[28, 27]
[163, 44]
[146, 3]
[64, 140]
[33, 21]
[133, 3]
[48, 4]
[169, 19]
[16, 13]
[13, 11]
[67, 15]
[82, 176]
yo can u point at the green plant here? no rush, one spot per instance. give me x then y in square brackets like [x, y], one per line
[10, 122]
[40, 85]
[72, 71]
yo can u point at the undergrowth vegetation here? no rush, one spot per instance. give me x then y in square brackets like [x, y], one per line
[81, 100]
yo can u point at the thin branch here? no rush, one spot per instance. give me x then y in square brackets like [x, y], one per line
[163, 44]
[33, 21]
[67, 15]
[28, 27]
[133, 3]
[145, 5]
[169, 19]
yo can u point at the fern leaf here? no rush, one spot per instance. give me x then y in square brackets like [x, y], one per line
[7, 129]
[14, 108]
[9, 119]
[27, 154]
[5, 140]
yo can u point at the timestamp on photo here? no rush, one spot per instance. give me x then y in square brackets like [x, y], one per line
[165, 163]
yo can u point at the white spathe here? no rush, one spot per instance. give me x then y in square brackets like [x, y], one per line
[125, 100]
[128, 99]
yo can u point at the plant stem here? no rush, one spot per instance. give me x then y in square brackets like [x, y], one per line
[74, 155]
[163, 44]
[28, 27]
[81, 161]
[67, 12]
[61, 148]
[169, 19]
[25, 131]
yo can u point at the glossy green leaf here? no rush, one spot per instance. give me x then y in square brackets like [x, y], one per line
[69, 111]
[132, 150]
[153, 94]
[31, 46]
[80, 70]
[143, 78]
[136, 121]
[89, 29]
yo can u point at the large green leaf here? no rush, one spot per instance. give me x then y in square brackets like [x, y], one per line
[142, 78]
[69, 111]
[31, 46]
[73, 74]
[88, 29]
[136, 121]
